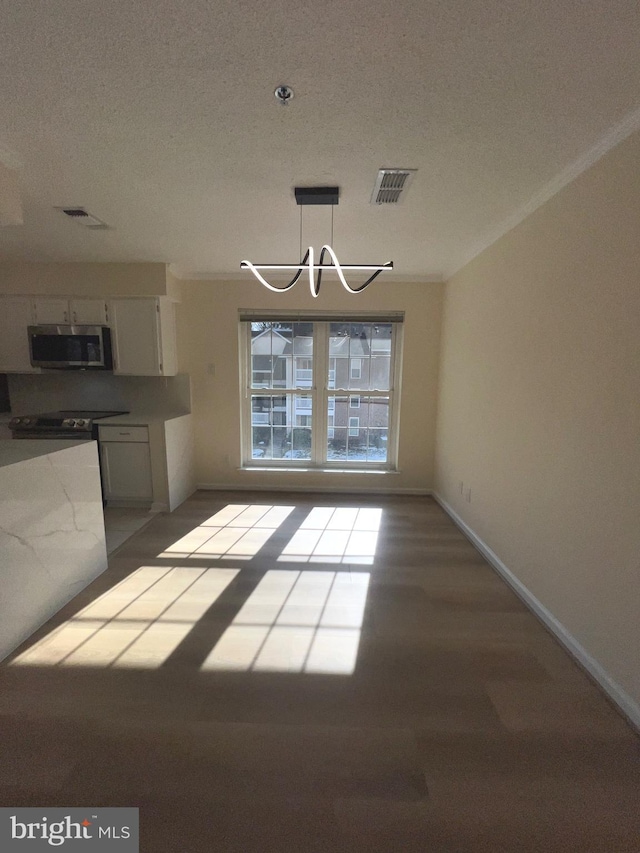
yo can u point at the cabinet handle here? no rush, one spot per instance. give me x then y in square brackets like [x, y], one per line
[66, 316]
[124, 433]
[75, 316]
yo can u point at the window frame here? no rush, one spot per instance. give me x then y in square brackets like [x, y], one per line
[319, 392]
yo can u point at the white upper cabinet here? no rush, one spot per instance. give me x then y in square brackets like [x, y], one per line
[143, 336]
[48, 312]
[58, 311]
[143, 330]
[88, 312]
[15, 316]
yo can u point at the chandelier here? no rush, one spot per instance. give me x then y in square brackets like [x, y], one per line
[307, 196]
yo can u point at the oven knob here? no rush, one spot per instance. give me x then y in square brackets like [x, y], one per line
[82, 422]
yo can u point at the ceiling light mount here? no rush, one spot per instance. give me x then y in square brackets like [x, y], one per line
[317, 196]
[283, 95]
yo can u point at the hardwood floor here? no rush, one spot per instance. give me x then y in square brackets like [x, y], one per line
[242, 698]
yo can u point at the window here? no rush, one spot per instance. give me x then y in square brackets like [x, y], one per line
[299, 375]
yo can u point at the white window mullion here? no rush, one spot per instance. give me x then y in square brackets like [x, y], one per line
[320, 372]
[246, 373]
[394, 410]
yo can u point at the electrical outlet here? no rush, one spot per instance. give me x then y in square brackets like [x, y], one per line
[468, 495]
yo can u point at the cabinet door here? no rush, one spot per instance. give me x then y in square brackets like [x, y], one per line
[51, 311]
[135, 336]
[15, 316]
[168, 347]
[88, 312]
[126, 471]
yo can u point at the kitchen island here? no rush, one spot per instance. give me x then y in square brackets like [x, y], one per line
[52, 541]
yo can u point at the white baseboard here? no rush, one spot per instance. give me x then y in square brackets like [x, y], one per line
[226, 487]
[618, 696]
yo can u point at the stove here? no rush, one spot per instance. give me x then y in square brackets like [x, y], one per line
[76, 424]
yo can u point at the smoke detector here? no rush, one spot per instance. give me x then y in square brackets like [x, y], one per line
[390, 185]
[79, 214]
[283, 95]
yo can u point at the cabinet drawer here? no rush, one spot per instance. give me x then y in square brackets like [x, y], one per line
[123, 433]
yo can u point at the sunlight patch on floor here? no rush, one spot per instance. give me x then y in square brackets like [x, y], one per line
[335, 535]
[307, 621]
[138, 623]
[238, 531]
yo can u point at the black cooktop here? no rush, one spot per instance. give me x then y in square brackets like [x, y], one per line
[80, 413]
[69, 419]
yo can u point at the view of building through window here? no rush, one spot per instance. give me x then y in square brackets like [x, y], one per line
[301, 379]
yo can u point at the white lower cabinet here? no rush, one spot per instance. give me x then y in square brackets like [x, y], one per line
[126, 463]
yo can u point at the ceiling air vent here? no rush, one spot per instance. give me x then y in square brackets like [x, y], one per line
[79, 214]
[391, 184]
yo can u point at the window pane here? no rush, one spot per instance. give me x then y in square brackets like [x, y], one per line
[377, 445]
[281, 355]
[301, 443]
[268, 347]
[380, 373]
[358, 438]
[304, 372]
[281, 426]
[261, 427]
[281, 442]
[360, 356]
[303, 339]
[337, 444]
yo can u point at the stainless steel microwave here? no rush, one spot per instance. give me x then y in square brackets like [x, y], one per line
[70, 347]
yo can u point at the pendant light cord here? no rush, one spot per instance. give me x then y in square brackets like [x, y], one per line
[300, 231]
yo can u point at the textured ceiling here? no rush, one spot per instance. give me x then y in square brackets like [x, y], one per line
[160, 119]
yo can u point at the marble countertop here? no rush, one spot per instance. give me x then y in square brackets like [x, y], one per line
[12, 451]
[140, 419]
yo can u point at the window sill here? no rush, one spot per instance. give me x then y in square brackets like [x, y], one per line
[299, 470]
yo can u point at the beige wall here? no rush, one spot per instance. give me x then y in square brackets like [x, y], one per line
[84, 279]
[539, 408]
[208, 335]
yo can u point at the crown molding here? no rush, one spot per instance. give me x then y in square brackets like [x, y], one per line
[615, 135]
